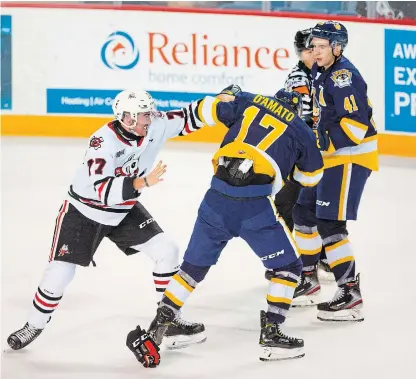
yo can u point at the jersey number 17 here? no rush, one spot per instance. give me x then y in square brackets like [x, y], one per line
[267, 121]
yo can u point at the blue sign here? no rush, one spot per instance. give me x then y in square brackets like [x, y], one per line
[400, 79]
[6, 62]
[97, 101]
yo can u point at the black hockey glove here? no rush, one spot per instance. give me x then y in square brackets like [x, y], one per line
[232, 90]
[322, 138]
[143, 347]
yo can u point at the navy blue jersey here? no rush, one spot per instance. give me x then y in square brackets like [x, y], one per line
[267, 132]
[342, 108]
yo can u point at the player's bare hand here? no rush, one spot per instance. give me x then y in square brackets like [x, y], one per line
[153, 178]
[156, 175]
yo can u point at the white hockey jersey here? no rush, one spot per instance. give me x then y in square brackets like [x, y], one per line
[103, 186]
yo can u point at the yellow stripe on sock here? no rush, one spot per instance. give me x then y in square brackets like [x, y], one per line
[340, 261]
[310, 252]
[336, 245]
[284, 282]
[304, 235]
[279, 299]
[173, 299]
[182, 282]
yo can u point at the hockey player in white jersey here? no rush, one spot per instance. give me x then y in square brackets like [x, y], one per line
[102, 202]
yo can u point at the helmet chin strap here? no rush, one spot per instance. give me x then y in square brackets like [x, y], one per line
[131, 128]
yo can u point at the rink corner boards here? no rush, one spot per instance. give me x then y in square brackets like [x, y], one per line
[82, 127]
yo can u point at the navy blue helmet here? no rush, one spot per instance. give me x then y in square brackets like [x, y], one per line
[333, 31]
[292, 99]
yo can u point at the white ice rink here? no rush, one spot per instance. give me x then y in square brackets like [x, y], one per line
[86, 337]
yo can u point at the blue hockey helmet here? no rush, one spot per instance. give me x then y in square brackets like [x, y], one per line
[292, 99]
[333, 31]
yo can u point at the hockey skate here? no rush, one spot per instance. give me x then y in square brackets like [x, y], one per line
[23, 337]
[307, 291]
[324, 272]
[277, 346]
[181, 334]
[178, 333]
[345, 306]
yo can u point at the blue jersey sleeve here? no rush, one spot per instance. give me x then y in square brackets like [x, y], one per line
[348, 91]
[212, 111]
[227, 112]
[309, 165]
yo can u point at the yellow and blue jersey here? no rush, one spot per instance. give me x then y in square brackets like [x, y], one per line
[268, 133]
[343, 109]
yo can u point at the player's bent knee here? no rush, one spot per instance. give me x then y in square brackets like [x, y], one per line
[163, 251]
[303, 216]
[292, 270]
[332, 230]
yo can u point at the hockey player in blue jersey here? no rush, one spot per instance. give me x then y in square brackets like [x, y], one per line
[300, 80]
[266, 143]
[348, 139]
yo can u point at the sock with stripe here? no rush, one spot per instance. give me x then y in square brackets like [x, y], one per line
[282, 285]
[161, 281]
[309, 245]
[183, 284]
[340, 258]
[55, 279]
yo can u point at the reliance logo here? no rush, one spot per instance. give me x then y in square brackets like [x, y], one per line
[197, 50]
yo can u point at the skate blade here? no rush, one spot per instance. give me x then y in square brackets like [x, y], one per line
[306, 301]
[271, 354]
[181, 342]
[325, 276]
[351, 315]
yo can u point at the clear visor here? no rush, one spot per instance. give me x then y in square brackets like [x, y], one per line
[131, 119]
[323, 34]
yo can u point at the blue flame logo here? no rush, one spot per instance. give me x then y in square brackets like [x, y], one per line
[119, 51]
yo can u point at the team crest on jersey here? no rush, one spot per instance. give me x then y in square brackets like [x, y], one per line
[342, 78]
[64, 250]
[95, 142]
[129, 167]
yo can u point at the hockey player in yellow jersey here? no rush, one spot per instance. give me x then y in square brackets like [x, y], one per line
[266, 143]
[348, 140]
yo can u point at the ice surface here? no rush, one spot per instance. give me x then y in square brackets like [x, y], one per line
[86, 337]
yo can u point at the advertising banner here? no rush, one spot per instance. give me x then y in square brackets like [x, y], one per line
[72, 62]
[6, 62]
[99, 102]
[400, 80]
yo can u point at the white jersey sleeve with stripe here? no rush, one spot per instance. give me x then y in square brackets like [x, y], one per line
[103, 186]
[183, 121]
